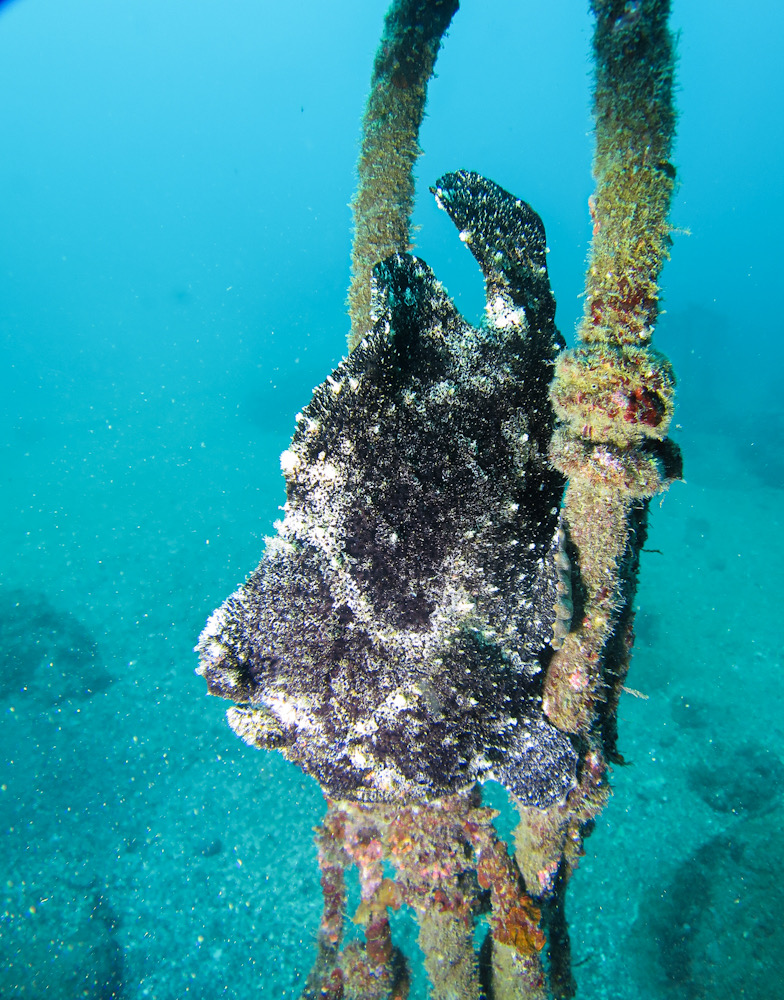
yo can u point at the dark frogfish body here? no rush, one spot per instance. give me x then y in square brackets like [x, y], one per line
[393, 640]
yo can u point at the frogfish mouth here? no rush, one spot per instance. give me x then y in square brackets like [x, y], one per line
[392, 642]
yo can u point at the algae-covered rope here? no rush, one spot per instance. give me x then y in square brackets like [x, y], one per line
[390, 143]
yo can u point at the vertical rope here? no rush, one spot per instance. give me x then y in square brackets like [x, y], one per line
[390, 143]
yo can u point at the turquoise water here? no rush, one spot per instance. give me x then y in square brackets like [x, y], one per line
[174, 242]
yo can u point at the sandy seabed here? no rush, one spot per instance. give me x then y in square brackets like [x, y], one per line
[147, 853]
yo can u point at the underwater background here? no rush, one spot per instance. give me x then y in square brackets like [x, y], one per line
[174, 245]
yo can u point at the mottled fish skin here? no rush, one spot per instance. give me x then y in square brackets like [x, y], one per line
[507, 238]
[391, 642]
